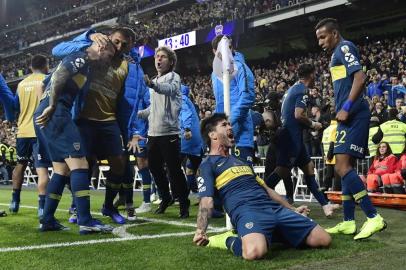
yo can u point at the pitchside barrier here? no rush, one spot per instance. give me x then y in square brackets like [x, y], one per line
[301, 193]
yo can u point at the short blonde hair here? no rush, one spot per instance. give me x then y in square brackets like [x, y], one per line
[171, 55]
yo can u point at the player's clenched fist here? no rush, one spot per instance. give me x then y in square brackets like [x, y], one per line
[200, 238]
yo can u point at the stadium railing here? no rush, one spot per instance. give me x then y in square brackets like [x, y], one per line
[301, 192]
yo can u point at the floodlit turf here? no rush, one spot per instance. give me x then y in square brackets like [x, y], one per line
[383, 251]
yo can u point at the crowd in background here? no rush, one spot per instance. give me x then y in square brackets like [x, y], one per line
[383, 61]
[183, 19]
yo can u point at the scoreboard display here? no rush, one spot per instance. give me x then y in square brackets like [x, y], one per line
[180, 41]
[193, 38]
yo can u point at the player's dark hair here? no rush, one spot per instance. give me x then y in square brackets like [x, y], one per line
[215, 41]
[39, 61]
[330, 24]
[126, 32]
[171, 56]
[209, 124]
[305, 70]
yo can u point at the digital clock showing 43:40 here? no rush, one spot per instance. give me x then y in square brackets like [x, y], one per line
[180, 41]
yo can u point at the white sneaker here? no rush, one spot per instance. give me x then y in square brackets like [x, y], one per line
[144, 208]
[152, 197]
[158, 201]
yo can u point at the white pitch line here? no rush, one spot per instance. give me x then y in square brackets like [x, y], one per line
[91, 242]
[121, 231]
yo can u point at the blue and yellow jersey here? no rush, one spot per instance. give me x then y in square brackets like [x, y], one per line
[295, 97]
[78, 67]
[344, 63]
[29, 91]
[235, 182]
[104, 92]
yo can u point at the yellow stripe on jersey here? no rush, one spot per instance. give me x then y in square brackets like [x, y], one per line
[338, 73]
[260, 181]
[28, 91]
[232, 173]
[80, 80]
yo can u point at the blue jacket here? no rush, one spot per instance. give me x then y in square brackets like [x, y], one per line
[134, 84]
[395, 92]
[189, 119]
[375, 89]
[242, 98]
[9, 100]
[138, 126]
[78, 43]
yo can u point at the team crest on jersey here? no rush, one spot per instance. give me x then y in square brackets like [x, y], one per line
[200, 184]
[79, 62]
[305, 99]
[345, 49]
[76, 146]
[249, 225]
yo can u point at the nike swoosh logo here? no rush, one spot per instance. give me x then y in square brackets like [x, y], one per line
[221, 164]
[174, 140]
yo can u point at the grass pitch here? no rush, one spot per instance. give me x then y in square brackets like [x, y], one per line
[165, 242]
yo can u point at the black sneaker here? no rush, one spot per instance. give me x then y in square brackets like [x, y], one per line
[52, 226]
[163, 205]
[184, 209]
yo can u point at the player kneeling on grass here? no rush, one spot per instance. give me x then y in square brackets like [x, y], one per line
[56, 129]
[257, 212]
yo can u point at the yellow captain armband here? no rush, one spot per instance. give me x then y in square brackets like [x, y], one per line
[260, 181]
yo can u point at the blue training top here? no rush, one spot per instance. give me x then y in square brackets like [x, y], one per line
[344, 63]
[78, 67]
[236, 183]
[295, 97]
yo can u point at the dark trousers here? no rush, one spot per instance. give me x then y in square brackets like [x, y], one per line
[165, 150]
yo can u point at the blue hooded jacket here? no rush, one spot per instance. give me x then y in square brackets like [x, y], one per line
[189, 119]
[134, 86]
[242, 98]
[9, 100]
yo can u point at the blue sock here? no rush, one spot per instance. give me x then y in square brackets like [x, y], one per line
[348, 202]
[16, 195]
[73, 204]
[314, 189]
[128, 186]
[234, 244]
[41, 201]
[113, 185]
[81, 191]
[272, 180]
[146, 184]
[54, 194]
[191, 180]
[359, 193]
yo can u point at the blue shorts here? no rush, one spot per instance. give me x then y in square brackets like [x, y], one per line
[61, 136]
[278, 224]
[28, 148]
[291, 151]
[244, 153]
[25, 147]
[352, 138]
[101, 138]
